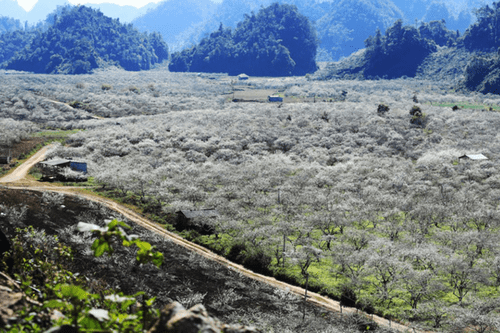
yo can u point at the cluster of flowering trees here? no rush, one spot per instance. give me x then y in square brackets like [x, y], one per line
[14, 131]
[331, 191]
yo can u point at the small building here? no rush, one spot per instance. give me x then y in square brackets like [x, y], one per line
[5, 159]
[243, 77]
[52, 169]
[275, 98]
[474, 157]
[199, 220]
[62, 163]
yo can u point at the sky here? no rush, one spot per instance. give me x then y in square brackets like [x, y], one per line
[29, 4]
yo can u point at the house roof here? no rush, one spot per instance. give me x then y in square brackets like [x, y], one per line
[61, 162]
[199, 213]
[474, 156]
[56, 162]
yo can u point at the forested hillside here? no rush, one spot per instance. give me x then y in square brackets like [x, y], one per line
[83, 39]
[431, 51]
[277, 41]
[399, 52]
[9, 24]
[14, 41]
[342, 26]
[483, 71]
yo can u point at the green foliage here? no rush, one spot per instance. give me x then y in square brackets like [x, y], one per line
[80, 105]
[55, 134]
[289, 46]
[113, 232]
[106, 87]
[9, 24]
[397, 53]
[12, 42]
[437, 32]
[134, 89]
[38, 255]
[483, 74]
[483, 35]
[82, 39]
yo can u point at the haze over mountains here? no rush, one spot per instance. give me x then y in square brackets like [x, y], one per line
[342, 25]
[42, 8]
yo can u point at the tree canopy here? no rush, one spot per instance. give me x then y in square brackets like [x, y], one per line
[277, 41]
[82, 39]
[398, 52]
[485, 33]
[9, 24]
[14, 41]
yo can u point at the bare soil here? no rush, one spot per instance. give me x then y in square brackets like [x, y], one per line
[19, 150]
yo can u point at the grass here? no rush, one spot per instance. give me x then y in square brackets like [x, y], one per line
[55, 133]
[469, 106]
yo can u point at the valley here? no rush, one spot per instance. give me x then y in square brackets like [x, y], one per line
[322, 188]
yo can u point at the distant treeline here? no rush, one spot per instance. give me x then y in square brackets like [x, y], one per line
[403, 49]
[82, 39]
[483, 72]
[9, 24]
[277, 41]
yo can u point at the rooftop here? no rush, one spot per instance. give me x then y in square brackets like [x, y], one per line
[474, 156]
[199, 213]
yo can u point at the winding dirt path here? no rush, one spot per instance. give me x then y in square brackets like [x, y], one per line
[16, 180]
[20, 173]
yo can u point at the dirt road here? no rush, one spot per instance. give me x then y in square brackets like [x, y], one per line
[16, 181]
[21, 172]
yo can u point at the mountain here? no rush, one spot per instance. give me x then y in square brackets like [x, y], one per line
[43, 8]
[14, 41]
[173, 18]
[345, 24]
[457, 14]
[277, 41]
[342, 25]
[126, 14]
[82, 39]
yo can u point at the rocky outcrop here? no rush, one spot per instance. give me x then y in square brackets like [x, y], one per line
[12, 300]
[175, 318]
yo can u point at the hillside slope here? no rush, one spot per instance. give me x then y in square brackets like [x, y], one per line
[277, 41]
[83, 39]
[342, 26]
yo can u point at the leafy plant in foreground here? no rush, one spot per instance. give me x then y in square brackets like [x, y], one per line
[112, 232]
[34, 254]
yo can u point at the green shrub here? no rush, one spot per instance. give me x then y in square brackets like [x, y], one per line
[258, 262]
[134, 89]
[106, 87]
[348, 297]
